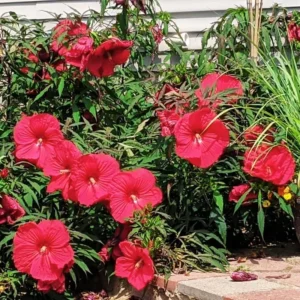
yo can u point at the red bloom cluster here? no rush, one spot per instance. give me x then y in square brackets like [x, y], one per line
[40, 62]
[10, 210]
[87, 179]
[72, 41]
[214, 87]
[43, 251]
[135, 264]
[274, 164]
[174, 104]
[201, 137]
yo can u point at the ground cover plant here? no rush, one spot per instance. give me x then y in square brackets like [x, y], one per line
[116, 163]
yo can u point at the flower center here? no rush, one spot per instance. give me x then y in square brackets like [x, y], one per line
[134, 198]
[39, 141]
[43, 249]
[92, 181]
[198, 138]
[138, 264]
[64, 171]
[109, 56]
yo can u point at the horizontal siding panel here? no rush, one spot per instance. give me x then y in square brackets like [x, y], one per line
[176, 5]
[191, 16]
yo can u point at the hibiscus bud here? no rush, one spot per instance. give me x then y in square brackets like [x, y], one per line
[121, 2]
[293, 32]
[157, 34]
[4, 173]
[243, 276]
[150, 245]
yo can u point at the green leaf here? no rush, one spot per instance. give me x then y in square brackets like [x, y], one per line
[7, 238]
[61, 86]
[241, 200]
[76, 113]
[260, 216]
[219, 200]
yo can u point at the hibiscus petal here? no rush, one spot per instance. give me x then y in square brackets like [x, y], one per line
[124, 267]
[61, 257]
[29, 152]
[58, 183]
[55, 232]
[23, 134]
[41, 268]
[24, 250]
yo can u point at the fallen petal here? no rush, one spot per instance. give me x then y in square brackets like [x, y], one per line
[243, 276]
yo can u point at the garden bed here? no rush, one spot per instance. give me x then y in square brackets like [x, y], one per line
[112, 168]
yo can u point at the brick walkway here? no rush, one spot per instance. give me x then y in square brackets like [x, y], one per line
[278, 278]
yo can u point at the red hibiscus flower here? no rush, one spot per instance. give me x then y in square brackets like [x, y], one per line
[46, 247]
[136, 265]
[200, 138]
[113, 52]
[4, 173]
[238, 191]
[92, 175]
[59, 165]
[65, 30]
[293, 32]
[35, 138]
[272, 164]
[214, 84]
[105, 252]
[168, 119]
[57, 285]
[255, 132]
[77, 56]
[11, 210]
[132, 191]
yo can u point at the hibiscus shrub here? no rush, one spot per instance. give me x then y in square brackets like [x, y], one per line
[115, 162]
[86, 179]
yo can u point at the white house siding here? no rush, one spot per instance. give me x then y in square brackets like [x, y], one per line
[191, 16]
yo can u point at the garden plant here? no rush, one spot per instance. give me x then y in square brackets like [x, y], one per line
[117, 164]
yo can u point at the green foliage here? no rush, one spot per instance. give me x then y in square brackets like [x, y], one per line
[116, 116]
